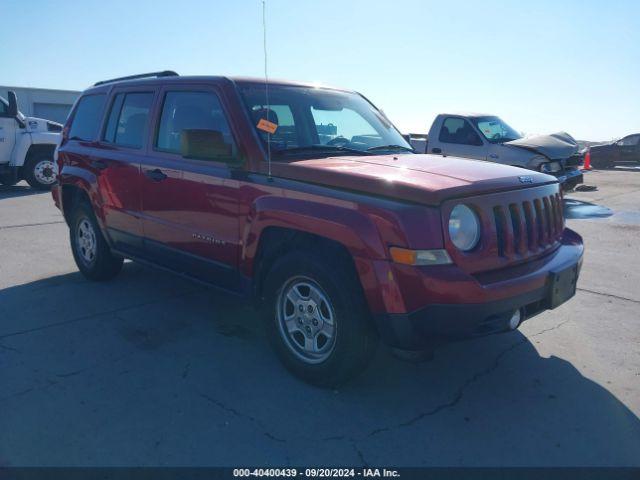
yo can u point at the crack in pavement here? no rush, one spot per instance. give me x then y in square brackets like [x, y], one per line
[18, 394]
[238, 414]
[11, 349]
[459, 393]
[608, 295]
[7, 227]
[457, 397]
[63, 376]
[359, 453]
[94, 315]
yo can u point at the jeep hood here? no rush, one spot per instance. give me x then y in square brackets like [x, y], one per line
[555, 146]
[426, 179]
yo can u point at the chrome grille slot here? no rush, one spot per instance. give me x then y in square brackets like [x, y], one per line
[516, 224]
[501, 221]
[539, 222]
[548, 221]
[529, 217]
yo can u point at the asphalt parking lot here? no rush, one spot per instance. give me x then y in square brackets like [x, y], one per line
[150, 369]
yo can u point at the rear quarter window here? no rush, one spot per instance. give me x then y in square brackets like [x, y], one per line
[87, 117]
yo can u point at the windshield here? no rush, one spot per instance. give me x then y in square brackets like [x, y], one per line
[319, 122]
[495, 130]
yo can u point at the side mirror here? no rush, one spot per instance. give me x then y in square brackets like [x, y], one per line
[13, 104]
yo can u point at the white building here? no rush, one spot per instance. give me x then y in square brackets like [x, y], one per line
[43, 102]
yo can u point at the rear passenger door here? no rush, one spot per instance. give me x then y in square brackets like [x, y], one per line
[190, 187]
[122, 146]
[458, 138]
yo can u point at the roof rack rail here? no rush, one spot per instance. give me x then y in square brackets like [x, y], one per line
[164, 73]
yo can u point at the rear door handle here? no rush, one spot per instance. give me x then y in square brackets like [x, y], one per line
[99, 164]
[156, 174]
[436, 150]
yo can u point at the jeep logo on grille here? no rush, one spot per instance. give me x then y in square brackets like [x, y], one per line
[526, 179]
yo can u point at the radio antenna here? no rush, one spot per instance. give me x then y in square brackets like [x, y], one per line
[266, 80]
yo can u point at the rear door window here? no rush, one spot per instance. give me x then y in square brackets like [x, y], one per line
[459, 131]
[630, 140]
[129, 119]
[194, 125]
[87, 117]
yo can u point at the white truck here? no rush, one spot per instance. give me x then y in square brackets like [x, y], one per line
[487, 137]
[27, 147]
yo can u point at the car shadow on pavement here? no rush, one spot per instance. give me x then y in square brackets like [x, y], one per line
[18, 191]
[151, 369]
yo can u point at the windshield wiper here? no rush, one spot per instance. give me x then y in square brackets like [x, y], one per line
[320, 148]
[390, 147]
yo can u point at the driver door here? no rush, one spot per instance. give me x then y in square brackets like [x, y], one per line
[460, 139]
[8, 127]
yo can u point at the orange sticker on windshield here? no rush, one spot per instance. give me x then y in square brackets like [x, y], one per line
[267, 126]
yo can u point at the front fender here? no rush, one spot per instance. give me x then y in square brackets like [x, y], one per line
[341, 222]
[25, 140]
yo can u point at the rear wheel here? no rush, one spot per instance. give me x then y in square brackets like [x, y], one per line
[90, 250]
[40, 171]
[317, 320]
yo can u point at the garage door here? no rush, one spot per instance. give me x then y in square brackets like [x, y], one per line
[51, 111]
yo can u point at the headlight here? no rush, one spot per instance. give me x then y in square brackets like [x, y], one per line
[464, 227]
[550, 167]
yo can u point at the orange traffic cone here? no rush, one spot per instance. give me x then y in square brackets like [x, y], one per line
[587, 161]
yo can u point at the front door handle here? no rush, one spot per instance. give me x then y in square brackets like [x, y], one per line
[436, 150]
[99, 164]
[156, 174]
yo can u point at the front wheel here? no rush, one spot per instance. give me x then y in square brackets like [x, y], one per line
[317, 320]
[90, 250]
[40, 171]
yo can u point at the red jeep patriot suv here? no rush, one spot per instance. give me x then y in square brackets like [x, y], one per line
[343, 237]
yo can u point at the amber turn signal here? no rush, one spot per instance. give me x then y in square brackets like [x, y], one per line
[419, 257]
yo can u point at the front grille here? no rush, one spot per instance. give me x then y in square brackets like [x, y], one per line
[517, 226]
[528, 227]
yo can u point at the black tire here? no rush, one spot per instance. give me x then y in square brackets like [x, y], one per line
[37, 179]
[7, 181]
[355, 338]
[102, 265]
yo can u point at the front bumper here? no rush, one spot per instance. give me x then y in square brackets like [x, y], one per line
[529, 287]
[570, 178]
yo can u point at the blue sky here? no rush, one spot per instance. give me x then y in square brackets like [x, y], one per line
[543, 66]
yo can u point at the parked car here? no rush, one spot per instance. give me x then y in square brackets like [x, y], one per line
[27, 145]
[487, 137]
[344, 237]
[626, 149]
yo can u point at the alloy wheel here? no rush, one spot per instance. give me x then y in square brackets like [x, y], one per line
[306, 320]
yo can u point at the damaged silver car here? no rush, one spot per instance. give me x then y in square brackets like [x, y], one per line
[487, 137]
